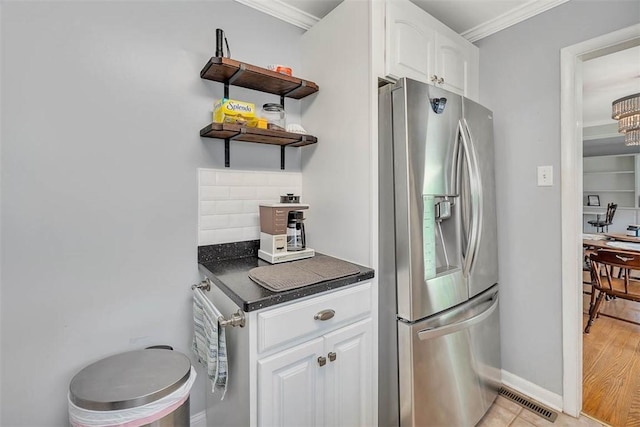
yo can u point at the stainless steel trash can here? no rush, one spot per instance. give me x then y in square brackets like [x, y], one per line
[132, 380]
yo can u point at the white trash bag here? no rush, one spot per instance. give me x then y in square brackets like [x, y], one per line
[132, 417]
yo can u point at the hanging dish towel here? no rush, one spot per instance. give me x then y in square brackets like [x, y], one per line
[209, 340]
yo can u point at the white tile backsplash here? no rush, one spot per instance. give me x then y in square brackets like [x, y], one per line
[207, 177]
[244, 220]
[229, 178]
[207, 208]
[243, 193]
[214, 222]
[213, 192]
[222, 207]
[228, 202]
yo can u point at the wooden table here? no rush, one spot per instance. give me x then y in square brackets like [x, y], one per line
[623, 237]
[612, 237]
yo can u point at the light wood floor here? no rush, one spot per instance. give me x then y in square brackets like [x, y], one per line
[611, 365]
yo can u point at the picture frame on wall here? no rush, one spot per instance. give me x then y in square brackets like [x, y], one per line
[593, 200]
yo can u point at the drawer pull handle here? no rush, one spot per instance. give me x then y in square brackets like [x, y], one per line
[322, 361]
[332, 356]
[325, 314]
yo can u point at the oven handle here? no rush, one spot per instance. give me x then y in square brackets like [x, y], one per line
[491, 304]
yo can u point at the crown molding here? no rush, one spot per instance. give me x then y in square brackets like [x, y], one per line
[283, 11]
[304, 20]
[510, 18]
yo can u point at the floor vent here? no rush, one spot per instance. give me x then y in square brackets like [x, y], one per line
[529, 404]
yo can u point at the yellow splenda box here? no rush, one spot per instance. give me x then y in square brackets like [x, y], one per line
[227, 110]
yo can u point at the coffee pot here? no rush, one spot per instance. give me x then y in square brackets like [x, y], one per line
[295, 231]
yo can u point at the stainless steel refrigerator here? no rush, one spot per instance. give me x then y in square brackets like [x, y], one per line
[439, 343]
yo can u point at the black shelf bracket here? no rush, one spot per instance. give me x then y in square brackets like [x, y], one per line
[227, 151]
[227, 161]
[232, 79]
[302, 84]
[282, 157]
[303, 138]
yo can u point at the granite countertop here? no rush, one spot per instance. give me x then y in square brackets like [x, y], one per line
[228, 265]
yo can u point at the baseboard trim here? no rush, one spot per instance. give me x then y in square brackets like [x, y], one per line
[534, 391]
[199, 419]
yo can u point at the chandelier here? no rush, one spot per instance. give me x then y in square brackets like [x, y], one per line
[627, 111]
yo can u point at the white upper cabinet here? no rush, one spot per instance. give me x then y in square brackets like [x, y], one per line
[410, 43]
[457, 66]
[420, 47]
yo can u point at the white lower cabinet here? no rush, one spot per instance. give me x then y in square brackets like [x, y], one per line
[289, 387]
[348, 386]
[323, 382]
[323, 378]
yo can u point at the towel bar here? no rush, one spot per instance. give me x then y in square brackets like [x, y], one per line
[204, 285]
[236, 319]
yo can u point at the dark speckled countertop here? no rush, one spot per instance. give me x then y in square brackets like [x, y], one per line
[228, 265]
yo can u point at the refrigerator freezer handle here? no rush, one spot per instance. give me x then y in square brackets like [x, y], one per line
[491, 304]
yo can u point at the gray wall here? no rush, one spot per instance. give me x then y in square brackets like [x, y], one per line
[607, 146]
[520, 82]
[102, 104]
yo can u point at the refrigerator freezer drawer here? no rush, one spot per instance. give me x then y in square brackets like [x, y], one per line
[449, 365]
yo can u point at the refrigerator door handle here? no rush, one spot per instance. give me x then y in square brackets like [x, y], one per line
[462, 162]
[476, 196]
[491, 305]
[473, 239]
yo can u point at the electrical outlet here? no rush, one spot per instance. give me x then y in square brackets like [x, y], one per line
[545, 176]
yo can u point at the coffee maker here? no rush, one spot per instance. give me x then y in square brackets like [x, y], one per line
[282, 236]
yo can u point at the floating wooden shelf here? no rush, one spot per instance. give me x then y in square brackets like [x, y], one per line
[236, 73]
[261, 136]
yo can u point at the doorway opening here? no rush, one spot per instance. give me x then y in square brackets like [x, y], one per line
[572, 59]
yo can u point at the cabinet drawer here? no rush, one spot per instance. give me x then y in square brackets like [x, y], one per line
[297, 320]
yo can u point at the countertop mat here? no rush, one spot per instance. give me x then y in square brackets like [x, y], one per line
[296, 274]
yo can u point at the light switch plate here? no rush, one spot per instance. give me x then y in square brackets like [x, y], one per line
[545, 176]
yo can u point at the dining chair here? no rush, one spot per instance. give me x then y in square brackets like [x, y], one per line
[606, 284]
[601, 225]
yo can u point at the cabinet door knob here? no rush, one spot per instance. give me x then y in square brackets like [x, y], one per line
[332, 356]
[325, 314]
[434, 78]
[322, 360]
[441, 80]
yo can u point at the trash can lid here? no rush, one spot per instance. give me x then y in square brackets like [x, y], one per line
[128, 380]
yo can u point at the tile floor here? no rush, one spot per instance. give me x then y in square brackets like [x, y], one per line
[505, 413]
